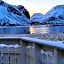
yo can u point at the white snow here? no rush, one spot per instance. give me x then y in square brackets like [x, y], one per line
[37, 17]
[15, 46]
[12, 18]
[30, 47]
[3, 45]
[54, 12]
[58, 44]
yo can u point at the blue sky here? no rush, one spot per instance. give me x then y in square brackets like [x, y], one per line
[37, 6]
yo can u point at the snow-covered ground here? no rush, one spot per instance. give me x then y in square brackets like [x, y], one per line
[57, 44]
[52, 37]
[4, 45]
[49, 36]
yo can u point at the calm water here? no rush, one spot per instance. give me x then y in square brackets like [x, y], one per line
[31, 29]
[14, 30]
[46, 29]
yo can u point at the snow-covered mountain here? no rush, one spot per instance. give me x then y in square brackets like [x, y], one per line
[55, 15]
[13, 15]
[37, 17]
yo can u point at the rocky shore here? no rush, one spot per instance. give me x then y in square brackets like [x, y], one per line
[49, 36]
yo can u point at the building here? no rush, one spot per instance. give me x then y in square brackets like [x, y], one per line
[26, 50]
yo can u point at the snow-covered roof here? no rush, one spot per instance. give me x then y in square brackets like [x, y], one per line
[56, 44]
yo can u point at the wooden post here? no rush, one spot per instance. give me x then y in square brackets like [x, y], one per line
[55, 56]
[23, 52]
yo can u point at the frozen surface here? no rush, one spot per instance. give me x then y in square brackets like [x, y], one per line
[58, 44]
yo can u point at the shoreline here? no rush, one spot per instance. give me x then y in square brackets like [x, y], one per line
[49, 36]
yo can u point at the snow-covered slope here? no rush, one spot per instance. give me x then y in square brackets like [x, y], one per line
[13, 15]
[55, 15]
[37, 17]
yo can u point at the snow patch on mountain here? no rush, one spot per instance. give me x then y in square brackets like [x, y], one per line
[56, 14]
[10, 14]
[37, 17]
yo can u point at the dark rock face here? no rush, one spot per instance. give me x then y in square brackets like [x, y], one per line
[61, 17]
[1, 2]
[11, 15]
[22, 8]
[52, 19]
[13, 10]
[27, 14]
[55, 14]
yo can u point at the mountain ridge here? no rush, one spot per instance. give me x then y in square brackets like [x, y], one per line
[55, 15]
[11, 15]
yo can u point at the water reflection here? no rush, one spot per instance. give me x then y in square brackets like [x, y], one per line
[46, 29]
[14, 30]
[38, 29]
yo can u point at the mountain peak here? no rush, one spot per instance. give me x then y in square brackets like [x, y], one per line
[55, 16]
[59, 6]
[37, 17]
[12, 14]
